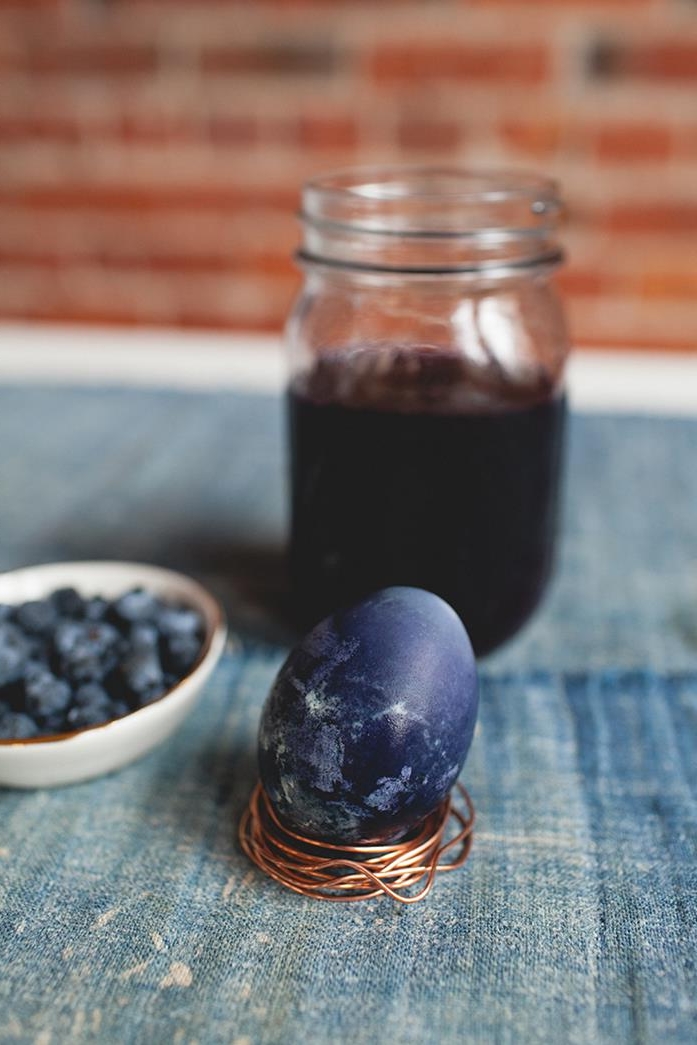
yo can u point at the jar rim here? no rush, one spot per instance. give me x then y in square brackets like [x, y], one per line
[423, 200]
[363, 181]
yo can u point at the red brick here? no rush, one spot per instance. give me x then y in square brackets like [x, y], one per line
[539, 138]
[159, 129]
[674, 60]
[155, 198]
[488, 62]
[233, 130]
[651, 217]
[249, 234]
[588, 338]
[83, 292]
[154, 129]
[429, 135]
[269, 5]
[671, 286]
[22, 129]
[93, 59]
[581, 283]
[327, 132]
[22, 5]
[279, 59]
[621, 142]
[138, 128]
[594, 4]
[243, 259]
[675, 284]
[686, 141]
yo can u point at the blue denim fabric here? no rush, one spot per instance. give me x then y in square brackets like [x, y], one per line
[128, 912]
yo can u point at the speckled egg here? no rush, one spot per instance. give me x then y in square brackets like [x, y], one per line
[370, 718]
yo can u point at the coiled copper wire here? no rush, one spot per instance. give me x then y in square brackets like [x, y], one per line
[361, 872]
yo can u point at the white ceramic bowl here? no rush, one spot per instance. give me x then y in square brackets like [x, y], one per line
[68, 758]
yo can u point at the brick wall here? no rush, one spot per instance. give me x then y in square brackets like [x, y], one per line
[151, 150]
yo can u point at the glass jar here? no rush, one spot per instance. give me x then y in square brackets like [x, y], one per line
[426, 394]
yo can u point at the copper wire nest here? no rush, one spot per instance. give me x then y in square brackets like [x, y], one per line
[343, 873]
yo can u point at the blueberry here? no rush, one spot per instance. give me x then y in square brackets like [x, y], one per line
[85, 640]
[57, 723]
[45, 695]
[34, 666]
[38, 649]
[83, 671]
[92, 704]
[179, 620]
[68, 602]
[37, 618]
[86, 650]
[142, 672]
[91, 693]
[180, 653]
[14, 651]
[16, 726]
[5, 611]
[151, 695]
[67, 637]
[96, 608]
[144, 636]
[136, 605]
[90, 715]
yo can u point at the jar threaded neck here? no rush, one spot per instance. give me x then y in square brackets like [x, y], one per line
[427, 220]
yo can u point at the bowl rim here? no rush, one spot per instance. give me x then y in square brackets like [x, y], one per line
[208, 605]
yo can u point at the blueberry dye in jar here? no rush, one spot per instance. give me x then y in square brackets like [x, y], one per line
[403, 472]
[427, 354]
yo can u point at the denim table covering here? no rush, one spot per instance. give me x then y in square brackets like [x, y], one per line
[129, 914]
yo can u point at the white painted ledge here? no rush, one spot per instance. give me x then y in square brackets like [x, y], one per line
[615, 382]
[151, 358]
[634, 382]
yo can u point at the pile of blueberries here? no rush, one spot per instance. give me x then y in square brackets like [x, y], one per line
[68, 662]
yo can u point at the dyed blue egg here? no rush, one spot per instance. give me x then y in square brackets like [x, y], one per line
[370, 718]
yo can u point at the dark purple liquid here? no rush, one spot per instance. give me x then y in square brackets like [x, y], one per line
[405, 485]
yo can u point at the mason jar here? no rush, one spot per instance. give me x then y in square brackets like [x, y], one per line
[426, 396]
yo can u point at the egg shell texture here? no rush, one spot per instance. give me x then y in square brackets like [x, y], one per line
[370, 719]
